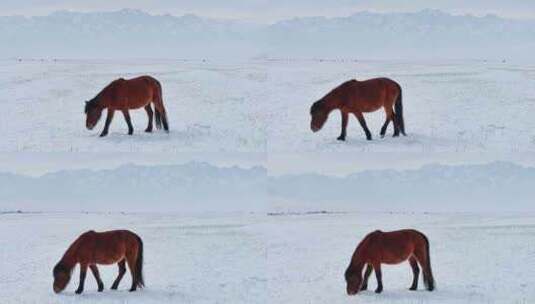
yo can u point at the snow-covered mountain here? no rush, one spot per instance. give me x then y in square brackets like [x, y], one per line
[189, 187]
[122, 34]
[493, 187]
[425, 34]
[135, 34]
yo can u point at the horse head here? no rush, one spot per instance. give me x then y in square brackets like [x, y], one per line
[353, 281]
[93, 113]
[62, 276]
[319, 115]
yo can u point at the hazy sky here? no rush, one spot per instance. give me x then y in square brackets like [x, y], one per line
[271, 10]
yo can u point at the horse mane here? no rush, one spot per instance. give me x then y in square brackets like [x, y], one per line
[339, 88]
[68, 261]
[331, 95]
[94, 102]
[61, 267]
[356, 255]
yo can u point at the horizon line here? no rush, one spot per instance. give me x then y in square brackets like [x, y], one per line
[275, 21]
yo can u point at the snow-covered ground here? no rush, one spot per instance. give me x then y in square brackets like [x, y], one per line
[273, 259]
[475, 258]
[202, 259]
[259, 105]
[211, 106]
[448, 106]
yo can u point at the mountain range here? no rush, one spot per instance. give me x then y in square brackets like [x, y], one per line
[492, 187]
[193, 186]
[131, 33]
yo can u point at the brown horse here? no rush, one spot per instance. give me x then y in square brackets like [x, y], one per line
[92, 248]
[389, 248]
[123, 95]
[359, 97]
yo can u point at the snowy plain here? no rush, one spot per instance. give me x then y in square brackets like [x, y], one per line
[187, 259]
[255, 258]
[263, 105]
[476, 258]
[211, 106]
[449, 106]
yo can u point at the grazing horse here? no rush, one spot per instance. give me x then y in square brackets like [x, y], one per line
[359, 97]
[92, 248]
[389, 248]
[123, 95]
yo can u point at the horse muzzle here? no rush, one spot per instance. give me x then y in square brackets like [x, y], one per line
[351, 292]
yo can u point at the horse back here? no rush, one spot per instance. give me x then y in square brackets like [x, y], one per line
[392, 247]
[105, 247]
[131, 93]
[384, 86]
[367, 95]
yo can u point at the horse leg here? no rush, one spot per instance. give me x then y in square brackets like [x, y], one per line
[362, 122]
[150, 114]
[96, 274]
[415, 272]
[122, 270]
[367, 274]
[128, 122]
[83, 271]
[131, 261]
[379, 277]
[389, 115]
[109, 118]
[342, 136]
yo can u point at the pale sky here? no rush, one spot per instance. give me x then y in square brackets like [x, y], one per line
[272, 10]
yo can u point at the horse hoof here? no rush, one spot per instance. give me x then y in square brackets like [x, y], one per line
[341, 138]
[78, 291]
[132, 289]
[148, 130]
[103, 134]
[413, 288]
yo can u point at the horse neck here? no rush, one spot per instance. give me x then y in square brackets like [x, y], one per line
[359, 257]
[70, 256]
[356, 265]
[102, 96]
[98, 99]
[331, 101]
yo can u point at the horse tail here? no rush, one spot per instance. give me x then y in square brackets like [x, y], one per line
[429, 281]
[158, 119]
[160, 113]
[139, 264]
[398, 108]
